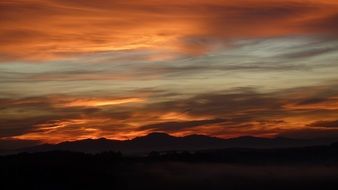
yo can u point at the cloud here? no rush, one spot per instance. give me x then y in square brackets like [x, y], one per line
[14, 127]
[310, 53]
[44, 30]
[97, 102]
[229, 113]
[179, 126]
[325, 124]
[327, 24]
[30, 115]
[76, 69]
[63, 101]
[241, 101]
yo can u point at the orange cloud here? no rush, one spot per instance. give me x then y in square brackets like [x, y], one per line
[54, 131]
[43, 30]
[99, 102]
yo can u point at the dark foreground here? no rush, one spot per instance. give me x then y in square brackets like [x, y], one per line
[298, 168]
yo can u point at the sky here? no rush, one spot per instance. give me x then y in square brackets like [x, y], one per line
[118, 69]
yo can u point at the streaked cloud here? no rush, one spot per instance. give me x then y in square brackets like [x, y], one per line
[98, 102]
[44, 30]
[229, 113]
[73, 69]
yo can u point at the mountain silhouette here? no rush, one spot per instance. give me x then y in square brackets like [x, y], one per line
[166, 142]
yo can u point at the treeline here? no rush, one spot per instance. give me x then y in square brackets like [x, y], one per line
[314, 154]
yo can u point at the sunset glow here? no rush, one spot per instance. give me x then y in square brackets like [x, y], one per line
[118, 69]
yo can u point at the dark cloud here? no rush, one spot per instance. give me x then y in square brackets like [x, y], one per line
[14, 127]
[177, 126]
[325, 124]
[314, 100]
[224, 104]
[31, 112]
[327, 24]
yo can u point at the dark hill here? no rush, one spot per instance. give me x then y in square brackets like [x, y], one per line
[165, 142]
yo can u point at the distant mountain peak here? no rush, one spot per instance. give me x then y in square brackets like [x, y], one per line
[155, 136]
[248, 137]
[158, 134]
[198, 136]
[87, 140]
